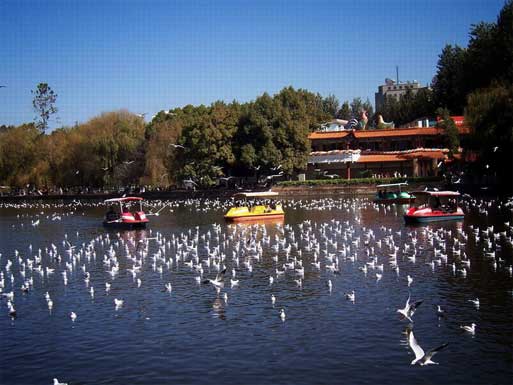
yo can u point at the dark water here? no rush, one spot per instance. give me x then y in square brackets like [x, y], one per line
[192, 335]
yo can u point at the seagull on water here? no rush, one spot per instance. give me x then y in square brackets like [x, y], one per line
[421, 357]
[118, 303]
[282, 315]
[73, 316]
[12, 310]
[351, 296]
[409, 309]
[471, 329]
[56, 382]
[475, 302]
[273, 299]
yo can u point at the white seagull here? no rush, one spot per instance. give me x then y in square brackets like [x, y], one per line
[420, 357]
[282, 315]
[118, 303]
[475, 302]
[351, 296]
[409, 309]
[471, 329]
[219, 281]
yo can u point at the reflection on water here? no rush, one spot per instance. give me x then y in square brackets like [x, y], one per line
[172, 328]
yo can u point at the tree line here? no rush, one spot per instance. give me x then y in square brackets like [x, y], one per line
[198, 143]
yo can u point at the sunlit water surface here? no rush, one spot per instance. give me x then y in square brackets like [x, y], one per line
[192, 335]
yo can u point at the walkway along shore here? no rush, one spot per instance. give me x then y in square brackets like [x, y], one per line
[284, 191]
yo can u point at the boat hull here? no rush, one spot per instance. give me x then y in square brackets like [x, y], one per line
[428, 214]
[401, 201]
[257, 217]
[125, 225]
[432, 218]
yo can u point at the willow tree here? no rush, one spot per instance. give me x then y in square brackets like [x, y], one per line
[18, 147]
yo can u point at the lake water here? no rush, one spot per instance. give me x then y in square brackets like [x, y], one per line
[194, 335]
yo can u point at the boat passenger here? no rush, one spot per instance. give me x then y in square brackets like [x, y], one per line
[111, 215]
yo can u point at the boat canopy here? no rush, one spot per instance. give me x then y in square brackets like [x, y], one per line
[438, 193]
[124, 199]
[260, 194]
[393, 184]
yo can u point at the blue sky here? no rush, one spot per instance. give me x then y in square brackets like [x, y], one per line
[146, 56]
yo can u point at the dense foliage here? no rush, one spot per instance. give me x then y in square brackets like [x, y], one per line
[202, 144]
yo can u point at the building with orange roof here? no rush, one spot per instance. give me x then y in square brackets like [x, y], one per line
[416, 150]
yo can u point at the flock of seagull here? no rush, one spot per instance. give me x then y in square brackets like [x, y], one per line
[215, 253]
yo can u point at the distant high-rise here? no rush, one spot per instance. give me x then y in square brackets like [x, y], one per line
[394, 89]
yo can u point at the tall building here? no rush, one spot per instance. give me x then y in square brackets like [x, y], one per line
[394, 89]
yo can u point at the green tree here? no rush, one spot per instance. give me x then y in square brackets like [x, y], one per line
[207, 144]
[330, 105]
[44, 105]
[490, 113]
[449, 82]
[345, 111]
[504, 43]
[451, 131]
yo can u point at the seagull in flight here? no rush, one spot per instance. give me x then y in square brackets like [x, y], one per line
[421, 357]
[270, 177]
[218, 282]
[177, 146]
[128, 161]
[3, 86]
[409, 309]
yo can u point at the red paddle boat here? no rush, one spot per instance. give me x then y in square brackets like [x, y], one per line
[436, 206]
[122, 217]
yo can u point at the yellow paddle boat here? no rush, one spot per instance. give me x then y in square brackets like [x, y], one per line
[249, 212]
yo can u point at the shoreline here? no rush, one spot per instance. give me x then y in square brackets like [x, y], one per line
[283, 191]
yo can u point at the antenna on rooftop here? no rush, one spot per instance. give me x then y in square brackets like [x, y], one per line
[397, 73]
